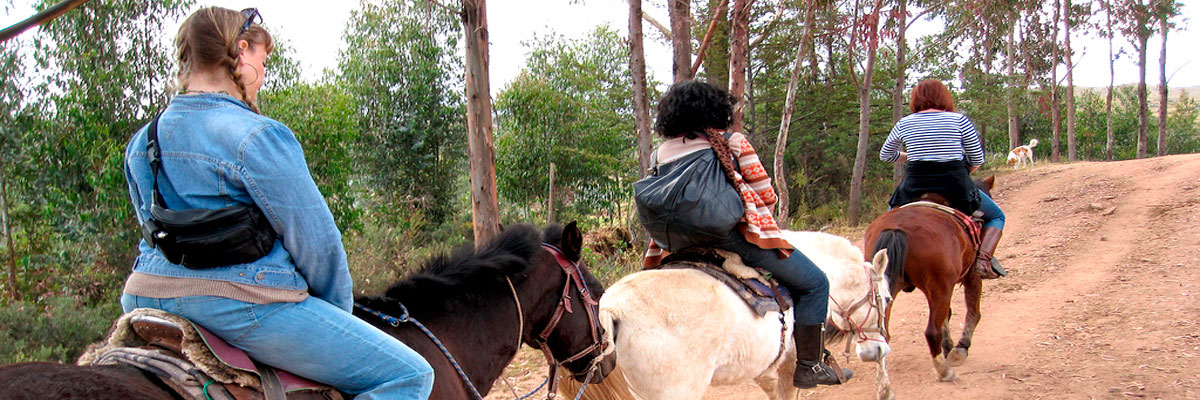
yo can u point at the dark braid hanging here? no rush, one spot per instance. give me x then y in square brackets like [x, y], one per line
[724, 154]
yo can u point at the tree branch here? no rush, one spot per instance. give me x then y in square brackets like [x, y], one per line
[712, 24]
[661, 28]
[455, 11]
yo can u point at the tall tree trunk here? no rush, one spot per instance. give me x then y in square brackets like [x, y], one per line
[1010, 103]
[1143, 108]
[485, 206]
[1072, 154]
[681, 38]
[738, 54]
[1112, 74]
[864, 120]
[637, 70]
[12, 251]
[1162, 89]
[785, 121]
[901, 77]
[714, 48]
[1055, 109]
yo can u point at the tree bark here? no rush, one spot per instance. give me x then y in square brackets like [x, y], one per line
[1112, 74]
[1143, 108]
[713, 22]
[12, 251]
[1055, 110]
[901, 77]
[785, 122]
[681, 38]
[864, 120]
[1072, 153]
[738, 54]
[1162, 88]
[485, 205]
[1014, 127]
[637, 70]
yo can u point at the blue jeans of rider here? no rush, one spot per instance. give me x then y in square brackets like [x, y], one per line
[312, 339]
[807, 283]
[992, 216]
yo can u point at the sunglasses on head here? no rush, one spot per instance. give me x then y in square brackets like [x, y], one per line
[252, 17]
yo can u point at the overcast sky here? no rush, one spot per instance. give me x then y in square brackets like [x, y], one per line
[315, 29]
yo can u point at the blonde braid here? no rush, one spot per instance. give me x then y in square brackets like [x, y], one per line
[724, 154]
[231, 64]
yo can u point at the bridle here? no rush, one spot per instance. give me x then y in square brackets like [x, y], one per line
[574, 279]
[874, 300]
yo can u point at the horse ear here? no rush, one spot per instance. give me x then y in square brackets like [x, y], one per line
[571, 242]
[989, 182]
[880, 261]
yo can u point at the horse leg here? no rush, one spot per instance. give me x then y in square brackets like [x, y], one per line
[972, 287]
[939, 312]
[947, 341]
[883, 384]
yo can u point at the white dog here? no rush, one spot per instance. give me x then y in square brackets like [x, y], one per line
[1022, 155]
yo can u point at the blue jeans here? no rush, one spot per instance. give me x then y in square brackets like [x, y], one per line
[312, 339]
[807, 283]
[992, 216]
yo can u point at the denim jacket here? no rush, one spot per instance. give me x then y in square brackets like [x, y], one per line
[217, 153]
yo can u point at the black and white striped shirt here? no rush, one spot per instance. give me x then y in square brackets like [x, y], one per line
[934, 136]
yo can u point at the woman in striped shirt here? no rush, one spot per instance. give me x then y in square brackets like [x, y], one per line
[693, 116]
[942, 150]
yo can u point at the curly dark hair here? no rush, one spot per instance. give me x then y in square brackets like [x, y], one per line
[690, 107]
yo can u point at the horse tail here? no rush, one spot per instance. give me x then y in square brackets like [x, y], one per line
[614, 386]
[895, 241]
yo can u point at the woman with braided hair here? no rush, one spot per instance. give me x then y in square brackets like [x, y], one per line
[291, 307]
[693, 116]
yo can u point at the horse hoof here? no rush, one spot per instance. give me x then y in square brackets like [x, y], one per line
[957, 357]
[887, 395]
[948, 377]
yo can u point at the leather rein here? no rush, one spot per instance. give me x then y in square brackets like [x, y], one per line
[574, 279]
[874, 301]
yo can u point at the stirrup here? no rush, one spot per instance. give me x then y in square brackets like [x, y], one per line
[997, 269]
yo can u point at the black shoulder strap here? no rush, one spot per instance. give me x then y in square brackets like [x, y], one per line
[154, 153]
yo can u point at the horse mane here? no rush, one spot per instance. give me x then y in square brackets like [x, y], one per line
[466, 275]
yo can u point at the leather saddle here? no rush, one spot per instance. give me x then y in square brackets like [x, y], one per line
[231, 372]
[753, 285]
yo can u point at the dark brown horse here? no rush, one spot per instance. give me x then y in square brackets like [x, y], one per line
[929, 250]
[464, 299]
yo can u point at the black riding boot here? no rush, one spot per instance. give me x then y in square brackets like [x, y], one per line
[810, 369]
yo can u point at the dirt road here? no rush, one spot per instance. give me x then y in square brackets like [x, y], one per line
[1101, 301]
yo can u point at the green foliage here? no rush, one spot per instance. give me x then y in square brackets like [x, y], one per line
[570, 106]
[324, 118]
[56, 329]
[401, 67]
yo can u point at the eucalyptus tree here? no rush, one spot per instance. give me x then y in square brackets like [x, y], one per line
[402, 69]
[1137, 25]
[104, 71]
[865, 33]
[1164, 10]
[571, 106]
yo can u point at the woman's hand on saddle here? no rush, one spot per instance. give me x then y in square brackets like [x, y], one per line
[903, 157]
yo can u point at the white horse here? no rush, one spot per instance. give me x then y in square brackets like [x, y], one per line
[677, 331]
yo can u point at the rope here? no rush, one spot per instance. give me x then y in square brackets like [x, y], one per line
[520, 314]
[535, 390]
[205, 389]
[404, 317]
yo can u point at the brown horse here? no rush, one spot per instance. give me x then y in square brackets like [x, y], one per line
[929, 250]
[464, 299]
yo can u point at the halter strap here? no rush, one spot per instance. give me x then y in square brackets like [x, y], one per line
[591, 306]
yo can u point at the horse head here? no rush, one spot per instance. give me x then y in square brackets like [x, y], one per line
[985, 184]
[567, 326]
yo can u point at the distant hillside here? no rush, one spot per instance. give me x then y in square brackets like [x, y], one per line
[1172, 93]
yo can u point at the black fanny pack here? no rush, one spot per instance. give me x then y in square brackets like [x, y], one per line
[202, 238]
